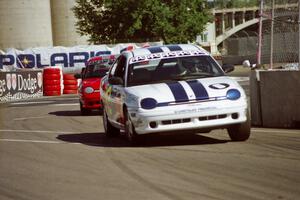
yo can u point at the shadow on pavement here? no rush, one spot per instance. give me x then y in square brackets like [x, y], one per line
[72, 113]
[99, 139]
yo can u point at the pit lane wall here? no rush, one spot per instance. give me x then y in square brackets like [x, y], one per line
[275, 98]
[17, 85]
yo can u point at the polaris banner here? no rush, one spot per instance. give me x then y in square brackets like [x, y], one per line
[72, 59]
[21, 85]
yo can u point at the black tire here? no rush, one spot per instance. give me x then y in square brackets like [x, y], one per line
[240, 132]
[109, 129]
[83, 110]
[132, 137]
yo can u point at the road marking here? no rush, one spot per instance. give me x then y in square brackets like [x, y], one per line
[38, 131]
[274, 130]
[68, 98]
[27, 118]
[37, 141]
[31, 102]
[50, 103]
[65, 104]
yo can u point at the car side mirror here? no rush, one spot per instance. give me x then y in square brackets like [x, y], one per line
[115, 81]
[77, 76]
[228, 68]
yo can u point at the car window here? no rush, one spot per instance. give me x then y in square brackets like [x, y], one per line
[118, 68]
[113, 68]
[173, 69]
[94, 70]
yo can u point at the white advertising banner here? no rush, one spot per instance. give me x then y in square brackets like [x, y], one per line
[71, 59]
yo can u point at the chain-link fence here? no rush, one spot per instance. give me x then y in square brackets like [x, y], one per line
[279, 38]
[241, 47]
[280, 32]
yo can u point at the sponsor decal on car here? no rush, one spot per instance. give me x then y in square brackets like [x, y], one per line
[167, 55]
[219, 86]
[193, 110]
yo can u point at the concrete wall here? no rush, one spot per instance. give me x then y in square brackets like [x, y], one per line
[25, 23]
[255, 105]
[63, 24]
[36, 23]
[275, 99]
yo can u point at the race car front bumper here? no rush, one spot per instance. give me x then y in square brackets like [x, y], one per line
[194, 117]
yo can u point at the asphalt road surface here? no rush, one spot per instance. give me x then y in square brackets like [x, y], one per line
[48, 151]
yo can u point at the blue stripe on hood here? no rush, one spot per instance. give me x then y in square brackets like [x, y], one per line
[178, 92]
[198, 89]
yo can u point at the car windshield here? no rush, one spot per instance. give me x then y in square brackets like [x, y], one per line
[94, 70]
[173, 69]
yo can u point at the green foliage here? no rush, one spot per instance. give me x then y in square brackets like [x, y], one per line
[112, 21]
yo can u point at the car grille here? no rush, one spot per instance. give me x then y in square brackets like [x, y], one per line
[176, 121]
[212, 117]
[154, 124]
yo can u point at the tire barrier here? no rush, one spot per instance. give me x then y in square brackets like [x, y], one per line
[70, 84]
[51, 76]
[70, 87]
[52, 87]
[52, 81]
[70, 91]
[52, 93]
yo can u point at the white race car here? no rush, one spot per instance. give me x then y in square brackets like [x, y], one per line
[172, 88]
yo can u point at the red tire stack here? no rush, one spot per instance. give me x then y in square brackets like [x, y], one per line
[70, 84]
[52, 81]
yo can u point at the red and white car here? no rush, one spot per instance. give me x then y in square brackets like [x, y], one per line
[88, 90]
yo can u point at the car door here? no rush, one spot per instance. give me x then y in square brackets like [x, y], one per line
[116, 81]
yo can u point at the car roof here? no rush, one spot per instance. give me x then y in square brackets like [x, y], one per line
[166, 48]
[96, 58]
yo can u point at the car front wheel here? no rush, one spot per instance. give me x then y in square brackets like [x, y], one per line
[83, 110]
[131, 135]
[109, 129]
[240, 132]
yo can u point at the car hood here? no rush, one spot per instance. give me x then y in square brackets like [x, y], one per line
[187, 90]
[91, 82]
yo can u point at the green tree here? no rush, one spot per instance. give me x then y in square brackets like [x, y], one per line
[220, 4]
[112, 21]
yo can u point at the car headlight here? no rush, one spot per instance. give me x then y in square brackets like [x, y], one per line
[89, 90]
[148, 103]
[233, 94]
